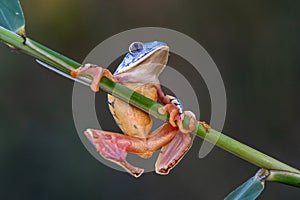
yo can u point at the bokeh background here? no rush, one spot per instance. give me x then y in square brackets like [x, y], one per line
[255, 44]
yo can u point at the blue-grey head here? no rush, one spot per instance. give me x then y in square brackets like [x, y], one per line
[150, 55]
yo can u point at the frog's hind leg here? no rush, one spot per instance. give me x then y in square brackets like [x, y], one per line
[114, 146]
[172, 153]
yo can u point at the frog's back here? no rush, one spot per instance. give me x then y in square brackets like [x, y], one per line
[131, 120]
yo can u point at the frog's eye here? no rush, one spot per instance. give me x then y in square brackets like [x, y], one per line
[136, 47]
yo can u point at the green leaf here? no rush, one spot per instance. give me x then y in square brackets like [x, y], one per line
[249, 190]
[11, 16]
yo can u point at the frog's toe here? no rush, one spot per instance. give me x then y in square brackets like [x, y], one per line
[133, 170]
[172, 110]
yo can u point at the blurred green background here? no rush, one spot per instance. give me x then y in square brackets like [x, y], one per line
[255, 44]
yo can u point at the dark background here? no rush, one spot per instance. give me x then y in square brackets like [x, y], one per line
[255, 44]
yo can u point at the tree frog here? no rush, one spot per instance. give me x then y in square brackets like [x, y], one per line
[139, 71]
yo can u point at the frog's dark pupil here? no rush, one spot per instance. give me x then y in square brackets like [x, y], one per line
[136, 47]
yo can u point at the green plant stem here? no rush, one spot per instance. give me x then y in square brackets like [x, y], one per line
[284, 177]
[231, 145]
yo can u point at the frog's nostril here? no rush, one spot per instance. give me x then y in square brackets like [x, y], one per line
[136, 47]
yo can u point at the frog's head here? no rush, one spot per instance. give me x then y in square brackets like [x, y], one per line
[150, 57]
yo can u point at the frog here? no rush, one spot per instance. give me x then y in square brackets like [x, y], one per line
[139, 71]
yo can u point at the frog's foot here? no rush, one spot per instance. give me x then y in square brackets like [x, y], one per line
[172, 153]
[192, 124]
[95, 72]
[108, 147]
[176, 117]
[173, 110]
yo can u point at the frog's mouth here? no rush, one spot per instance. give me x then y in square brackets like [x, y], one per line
[156, 59]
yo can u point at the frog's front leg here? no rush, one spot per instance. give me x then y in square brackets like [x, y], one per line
[95, 72]
[114, 146]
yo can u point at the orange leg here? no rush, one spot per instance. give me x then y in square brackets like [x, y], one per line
[114, 146]
[173, 152]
